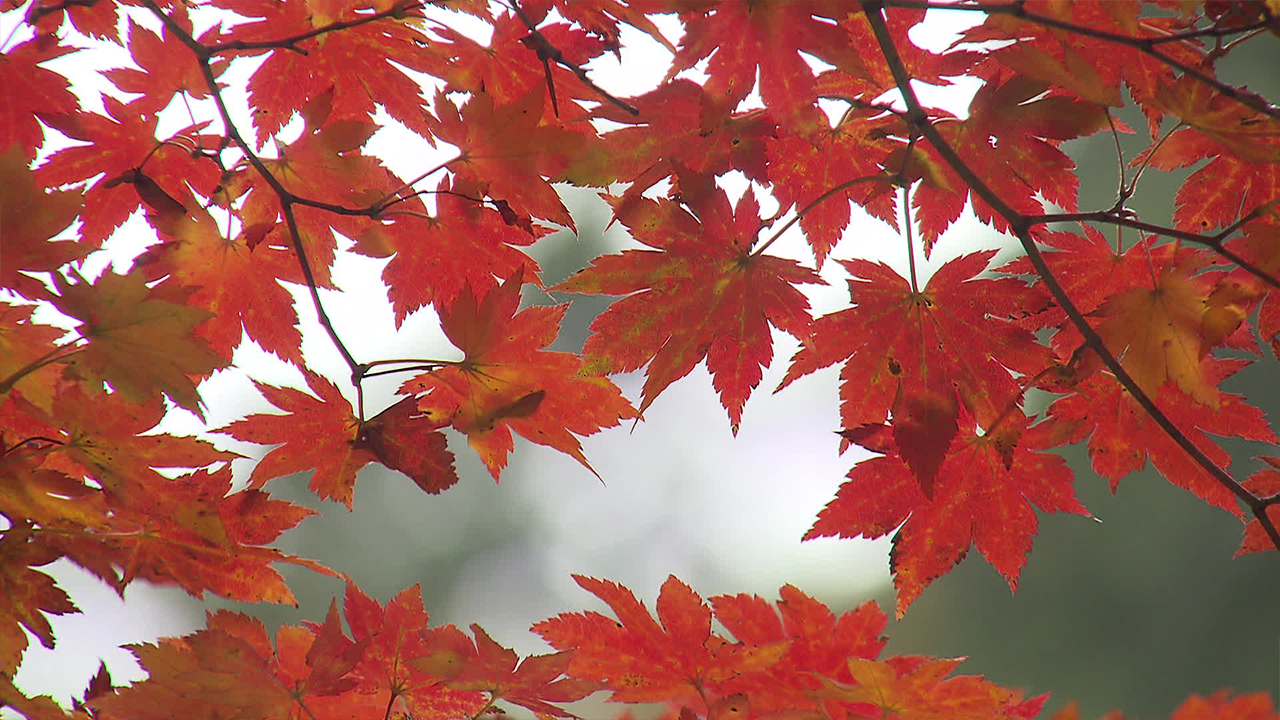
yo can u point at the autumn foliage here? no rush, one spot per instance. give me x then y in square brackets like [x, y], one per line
[1131, 323]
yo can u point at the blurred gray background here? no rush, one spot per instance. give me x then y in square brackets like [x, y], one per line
[1135, 612]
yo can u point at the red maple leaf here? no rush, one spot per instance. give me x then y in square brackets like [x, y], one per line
[356, 64]
[1263, 483]
[237, 284]
[321, 432]
[397, 640]
[642, 661]
[168, 65]
[308, 668]
[909, 354]
[196, 536]
[817, 643]
[508, 150]
[434, 258]
[677, 134]
[108, 439]
[535, 684]
[851, 151]
[918, 688]
[1122, 437]
[30, 89]
[1010, 140]
[507, 382]
[138, 167]
[702, 293]
[743, 39]
[983, 496]
[26, 596]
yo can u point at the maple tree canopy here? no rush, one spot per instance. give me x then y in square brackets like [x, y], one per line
[1128, 324]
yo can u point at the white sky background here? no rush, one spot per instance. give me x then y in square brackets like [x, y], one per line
[753, 498]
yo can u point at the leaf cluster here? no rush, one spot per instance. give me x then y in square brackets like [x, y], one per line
[1130, 325]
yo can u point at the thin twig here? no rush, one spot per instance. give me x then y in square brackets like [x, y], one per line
[286, 198]
[545, 51]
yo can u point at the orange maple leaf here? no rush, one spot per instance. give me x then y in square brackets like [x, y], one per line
[32, 216]
[1155, 333]
[507, 382]
[917, 688]
[398, 642]
[320, 431]
[235, 283]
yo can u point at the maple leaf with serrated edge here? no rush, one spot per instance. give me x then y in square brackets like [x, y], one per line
[1263, 483]
[138, 167]
[804, 169]
[26, 595]
[675, 135]
[702, 293]
[817, 644]
[1091, 269]
[236, 284]
[32, 217]
[506, 381]
[106, 440]
[979, 498]
[191, 675]
[1242, 174]
[742, 39]
[398, 639]
[320, 432]
[433, 258]
[30, 89]
[642, 661]
[141, 344]
[1155, 333]
[197, 537]
[358, 65]
[508, 150]
[1010, 140]
[168, 65]
[537, 682]
[910, 354]
[1122, 437]
[918, 688]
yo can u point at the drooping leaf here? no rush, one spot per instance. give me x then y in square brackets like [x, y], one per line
[321, 432]
[979, 498]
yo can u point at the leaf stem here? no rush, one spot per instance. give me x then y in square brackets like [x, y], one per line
[49, 357]
[814, 203]
[906, 232]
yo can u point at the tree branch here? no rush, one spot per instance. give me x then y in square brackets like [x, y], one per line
[1021, 228]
